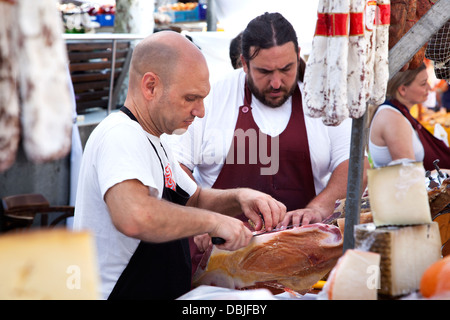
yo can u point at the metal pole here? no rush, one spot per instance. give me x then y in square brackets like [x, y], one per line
[211, 19]
[355, 179]
[111, 79]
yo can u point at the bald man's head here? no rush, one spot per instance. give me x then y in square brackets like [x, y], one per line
[164, 53]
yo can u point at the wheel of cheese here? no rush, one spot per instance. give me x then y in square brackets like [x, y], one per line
[436, 279]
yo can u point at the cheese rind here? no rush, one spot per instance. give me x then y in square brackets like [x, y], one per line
[355, 276]
[48, 264]
[398, 195]
[406, 252]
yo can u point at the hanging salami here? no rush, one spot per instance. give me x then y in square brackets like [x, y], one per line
[381, 63]
[354, 71]
[337, 109]
[43, 82]
[315, 78]
[357, 56]
[9, 100]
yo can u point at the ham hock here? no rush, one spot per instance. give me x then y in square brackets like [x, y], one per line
[292, 259]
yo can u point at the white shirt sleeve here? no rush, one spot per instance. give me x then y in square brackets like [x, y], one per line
[126, 155]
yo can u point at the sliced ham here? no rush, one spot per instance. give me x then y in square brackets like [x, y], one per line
[293, 259]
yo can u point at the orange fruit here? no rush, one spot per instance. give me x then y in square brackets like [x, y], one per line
[436, 279]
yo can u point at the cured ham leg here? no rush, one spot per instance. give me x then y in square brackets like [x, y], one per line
[294, 259]
[9, 99]
[44, 91]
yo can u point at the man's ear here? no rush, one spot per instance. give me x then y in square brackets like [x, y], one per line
[244, 64]
[149, 82]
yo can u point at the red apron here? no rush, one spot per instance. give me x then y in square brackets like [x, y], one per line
[292, 183]
[434, 148]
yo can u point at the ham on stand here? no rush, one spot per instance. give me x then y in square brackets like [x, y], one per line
[292, 259]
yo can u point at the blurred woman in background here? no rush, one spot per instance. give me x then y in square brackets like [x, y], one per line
[394, 134]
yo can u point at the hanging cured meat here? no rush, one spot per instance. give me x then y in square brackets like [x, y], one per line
[381, 63]
[404, 14]
[357, 56]
[44, 91]
[337, 109]
[9, 99]
[370, 35]
[315, 78]
[354, 70]
[293, 259]
[34, 83]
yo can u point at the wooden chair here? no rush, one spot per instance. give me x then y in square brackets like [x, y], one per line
[20, 211]
[98, 69]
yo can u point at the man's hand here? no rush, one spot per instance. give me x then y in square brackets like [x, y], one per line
[301, 217]
[232, 230]
[255, 204]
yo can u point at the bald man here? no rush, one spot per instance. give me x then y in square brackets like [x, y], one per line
[135, 198]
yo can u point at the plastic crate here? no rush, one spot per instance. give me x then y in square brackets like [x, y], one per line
[105, 20]
[184, 16]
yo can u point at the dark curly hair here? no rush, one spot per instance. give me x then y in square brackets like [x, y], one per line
[266, 31]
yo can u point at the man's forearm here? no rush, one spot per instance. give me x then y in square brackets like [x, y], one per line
[223, 201]
[335, 189]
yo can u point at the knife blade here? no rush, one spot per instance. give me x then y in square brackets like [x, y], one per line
[219, 240]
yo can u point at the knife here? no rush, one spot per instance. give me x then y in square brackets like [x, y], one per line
[219, 240]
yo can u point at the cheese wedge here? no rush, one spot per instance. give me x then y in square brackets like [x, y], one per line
[398, 195]
[406, 252]
[48, 264]
[356, 276]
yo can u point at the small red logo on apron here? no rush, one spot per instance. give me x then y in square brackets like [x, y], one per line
[168, 179]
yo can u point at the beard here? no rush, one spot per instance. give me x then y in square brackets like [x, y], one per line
[262, 95]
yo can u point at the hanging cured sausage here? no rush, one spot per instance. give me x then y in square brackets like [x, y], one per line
[43, 83]
[9, 99]
[315, 78]
[381, 67]
[357, 55]
[354, 70]
[34, 82]
[337, 109]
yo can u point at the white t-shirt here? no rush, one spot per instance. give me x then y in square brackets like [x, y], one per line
[380, 154]
[118, 150]
[204, 147]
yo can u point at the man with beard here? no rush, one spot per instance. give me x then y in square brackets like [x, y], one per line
[132, 194]
[255, 132]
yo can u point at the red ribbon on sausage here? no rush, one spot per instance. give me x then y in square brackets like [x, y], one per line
[383, 14]
[339, 24]
[332, 24]
[356, 23]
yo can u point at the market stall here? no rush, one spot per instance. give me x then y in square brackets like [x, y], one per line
[293, 263]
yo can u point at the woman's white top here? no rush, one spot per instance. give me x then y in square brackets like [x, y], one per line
[380, 154]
